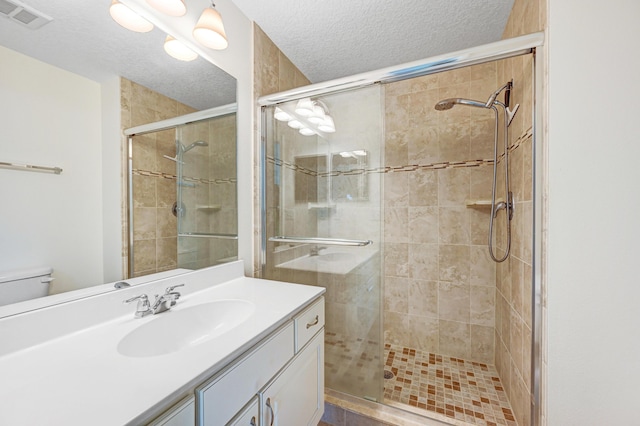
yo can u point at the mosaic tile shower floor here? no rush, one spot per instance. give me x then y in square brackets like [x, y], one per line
[466, 391]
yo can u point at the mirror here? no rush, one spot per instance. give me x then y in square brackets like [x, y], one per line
[64, 105]
[348, 177]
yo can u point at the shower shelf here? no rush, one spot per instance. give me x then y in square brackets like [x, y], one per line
[481, 204]
[209, 208]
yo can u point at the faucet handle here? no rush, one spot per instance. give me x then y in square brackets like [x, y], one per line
[143, 307]
[173, 287]
[143, 299]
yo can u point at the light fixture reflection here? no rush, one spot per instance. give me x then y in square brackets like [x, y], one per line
[295, 124]
[318, 115]
[327, 126]
[306, 131]
[304, 107]
[280, 115]
[128, 18]
[178, 50]
[169, 7]
[209, 31]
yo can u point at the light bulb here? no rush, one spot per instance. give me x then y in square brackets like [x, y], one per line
[295, 124]
[306, 131]
[128, 18]
[304, 107]
[280, 115]
[327, 125]
[178, 50]
[209, 31]
[169, 7]
[318, 115]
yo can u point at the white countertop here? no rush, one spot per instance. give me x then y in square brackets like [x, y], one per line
[81, 378]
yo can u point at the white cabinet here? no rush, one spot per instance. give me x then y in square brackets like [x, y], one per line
[296, 395]
[221, 397]
[181, 414]
[279, 381]
[249, 416]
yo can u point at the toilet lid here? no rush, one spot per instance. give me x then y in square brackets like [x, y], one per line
[21, 274]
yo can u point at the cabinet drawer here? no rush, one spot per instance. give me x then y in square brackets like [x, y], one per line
[181, 414]
[308, 323]
[249, 416]
[223, 396]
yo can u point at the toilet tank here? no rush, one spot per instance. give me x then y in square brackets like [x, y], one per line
[24, 284]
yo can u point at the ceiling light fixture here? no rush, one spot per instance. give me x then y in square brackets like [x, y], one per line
[178, 50]
[169, 7]
[128, 18]
[209, 31]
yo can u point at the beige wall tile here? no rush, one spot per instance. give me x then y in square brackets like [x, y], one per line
[423, 225]
[422, 189]
[423, 298]
[396, 225]
[482, 343]
[144, 223]
[453, 302]
[396, 295]
[454, 263]
[453, 225]
[482, 306]
[455, 339]
[396, 260]
[423, 261]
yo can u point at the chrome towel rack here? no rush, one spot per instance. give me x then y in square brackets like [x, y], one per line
[30, 167]
[327, 241]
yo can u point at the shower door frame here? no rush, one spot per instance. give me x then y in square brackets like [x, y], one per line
[170, 123]
[504, 49]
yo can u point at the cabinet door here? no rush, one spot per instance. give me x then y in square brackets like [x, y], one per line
[296, 396]
[249, 416]
[181, 414]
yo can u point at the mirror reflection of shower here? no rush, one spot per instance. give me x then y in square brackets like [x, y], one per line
[507, 204]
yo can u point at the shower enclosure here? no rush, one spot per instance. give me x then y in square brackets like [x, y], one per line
[387, 202]
[182, 192]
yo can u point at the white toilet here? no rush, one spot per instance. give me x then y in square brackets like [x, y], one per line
[24, 284]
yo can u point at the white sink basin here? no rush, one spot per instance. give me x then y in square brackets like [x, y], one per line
[175, 330]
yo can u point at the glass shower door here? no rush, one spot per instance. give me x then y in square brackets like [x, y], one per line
[323, 223]
[206, 205]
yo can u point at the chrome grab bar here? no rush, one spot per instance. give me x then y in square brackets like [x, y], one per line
[315, 240]
[208, 235]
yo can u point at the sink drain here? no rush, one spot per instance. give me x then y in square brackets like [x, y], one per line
[388, 374]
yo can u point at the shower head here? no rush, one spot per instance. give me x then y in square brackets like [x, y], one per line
[451, 102]
[193, 145]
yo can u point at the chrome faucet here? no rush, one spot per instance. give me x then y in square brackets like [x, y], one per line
[315, 251]
[161, 303]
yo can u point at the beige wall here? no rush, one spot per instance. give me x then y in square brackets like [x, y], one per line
[155, 236]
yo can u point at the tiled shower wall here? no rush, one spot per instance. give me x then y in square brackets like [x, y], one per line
[439, 280]
[514, 276]
[155, 237]
[273, 72]
[209, 192]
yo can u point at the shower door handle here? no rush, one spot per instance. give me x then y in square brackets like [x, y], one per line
[316, 240]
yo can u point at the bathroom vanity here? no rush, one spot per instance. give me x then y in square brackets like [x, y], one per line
[233, 350]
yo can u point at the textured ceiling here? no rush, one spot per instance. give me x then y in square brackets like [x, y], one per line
[83, 39]
[335, 38]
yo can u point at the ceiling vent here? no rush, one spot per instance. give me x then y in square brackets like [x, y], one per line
[23, 14]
